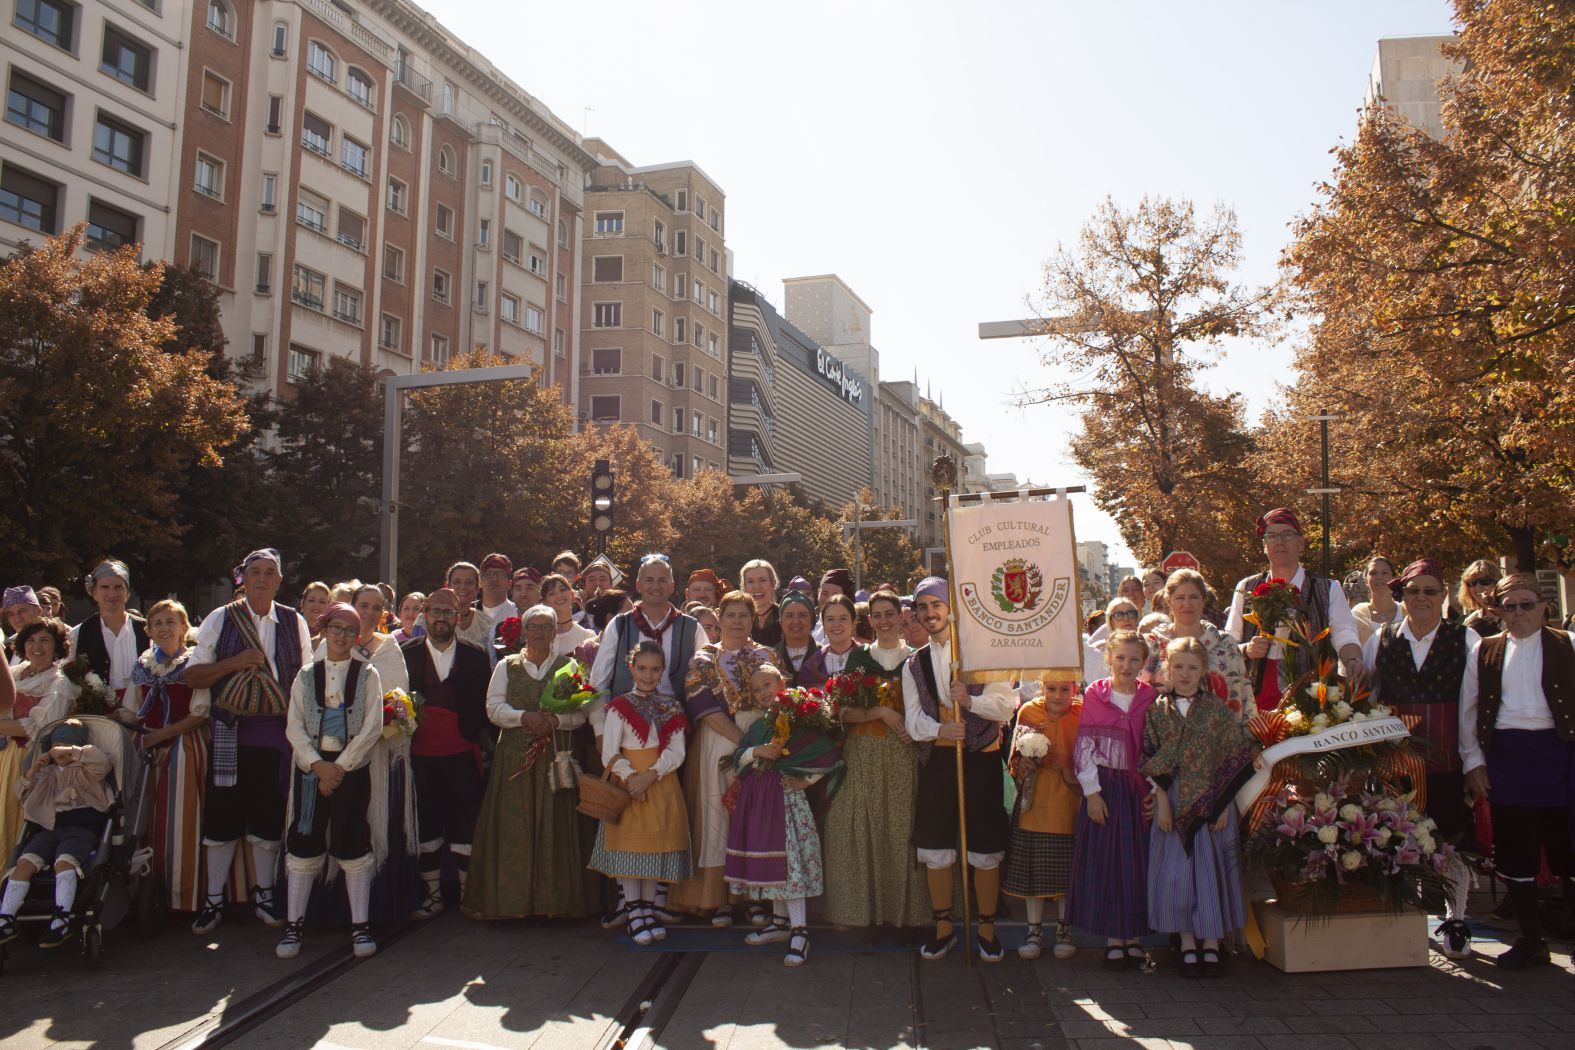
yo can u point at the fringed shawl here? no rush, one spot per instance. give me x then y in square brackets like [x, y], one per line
[1207, 751]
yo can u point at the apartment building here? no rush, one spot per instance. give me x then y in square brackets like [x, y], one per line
[654, 317]
[942, 436]
[900, 471]
[1406, 76]
[356, 180]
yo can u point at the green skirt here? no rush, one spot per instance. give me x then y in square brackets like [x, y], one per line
[872, 874]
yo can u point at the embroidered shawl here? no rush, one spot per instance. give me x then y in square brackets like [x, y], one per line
[1208, 752]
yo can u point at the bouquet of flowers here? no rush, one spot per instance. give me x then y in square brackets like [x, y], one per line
[1032, 747]
[511, 633]
[93, 696]
[858, 691]
[401, 714]
[1337, 846]
[1319, 700]
[805, 723]
[569, 691]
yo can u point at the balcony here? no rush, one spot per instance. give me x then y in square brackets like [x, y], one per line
[309, 301]
[418, 86]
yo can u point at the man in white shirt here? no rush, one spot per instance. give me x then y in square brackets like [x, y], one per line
[497, 573]
[654, 617]
[952, 724]
[1517, 744]
[112, 639]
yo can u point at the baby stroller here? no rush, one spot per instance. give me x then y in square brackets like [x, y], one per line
[104, 894]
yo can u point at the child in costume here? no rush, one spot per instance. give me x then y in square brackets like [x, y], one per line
[1039, 859]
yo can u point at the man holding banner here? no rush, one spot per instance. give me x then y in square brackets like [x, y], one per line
[964, 724]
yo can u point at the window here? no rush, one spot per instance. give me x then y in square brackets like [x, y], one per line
[486, 173]
[699, 248]
[562, 281]
[205, 257]
[680, 330]
[281, 36]
[699, 375]
[715, 386]
[389, 333]
[538, 205]
[352, 229]
[511, 308]
[446, 160]
[658, 368]
[716, 221]
[699, 204]
[396, 195]
[215, 94]
[712, 348]
[607, 268]
[450, 92]
[321, 61]
[681, 243]
[393, 263]
[438, 354]
[699, 294]
[678, 462]
[563, 234]
[659, 234]
[678, 375]
[445, 221]
[607, 362]
[210, 177]
[511, 187]
[125, 59]
[270, 191]
[658, 278]
[609, 223]
[606, 409]
[401, 132]
[259, 346]
[484, 234]
[359, 87]
[482, 298]
[347, 304]
[681, 200]
[695, 422]
[27, 200]
[317, 134]
[303, 363]
[120, 147]
[307, 288]
[264, 273]
[678, 420]
[109, 228]
[48, 20]
[560, 343]
[513, 245]
[714, 261]
[536, 261]
[311, 211]
[694, 462]
[711, 303]
[607, 315]
[657, 325]
[533, 320]
[656, 413]
[275, 114]
[353, 157]
[221, 19]
[440, 285]
[710, 432]
[681, 285]
[31, 105]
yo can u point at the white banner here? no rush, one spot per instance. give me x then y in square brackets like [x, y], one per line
[1014, 587]
[1344, 735]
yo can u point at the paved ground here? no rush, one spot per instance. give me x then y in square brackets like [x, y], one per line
[459, 984]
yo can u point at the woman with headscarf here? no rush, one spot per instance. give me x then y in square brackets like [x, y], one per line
[19, 607]
[795, 621]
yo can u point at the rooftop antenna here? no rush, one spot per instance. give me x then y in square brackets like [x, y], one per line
[585, 119]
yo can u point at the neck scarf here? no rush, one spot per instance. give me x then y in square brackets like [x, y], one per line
[155, 672]
[644, 625]
[644, 711]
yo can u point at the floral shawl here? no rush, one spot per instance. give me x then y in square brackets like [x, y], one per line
[1226, 672]
[1208, 752]
[718, 679]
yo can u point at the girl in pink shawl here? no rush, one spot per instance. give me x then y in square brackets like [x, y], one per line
[1110, 857]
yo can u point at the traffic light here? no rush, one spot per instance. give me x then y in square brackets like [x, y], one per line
[602, 502]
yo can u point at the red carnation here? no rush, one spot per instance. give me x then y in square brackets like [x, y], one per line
[870, 681]
[509, 630]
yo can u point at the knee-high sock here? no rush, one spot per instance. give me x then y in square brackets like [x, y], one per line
[358, 884]
[651, 890]
[220, 857]
[65, 889]
[632, 891]
[265, 862]
[940, 881]
[987, 891]
[1523, 895]
[798, 912]
[15, 894]
[1035, 906]
[1460, 873]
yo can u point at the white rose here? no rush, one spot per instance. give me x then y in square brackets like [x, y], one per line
[1293, 717]
[1426, 844]
[1350, 811]
[1328, 834]
[1384, 835]
[1427, 824]
[1350, 860]
[1321, 722]
[1388, 805]
[1342, 710]
[1322, 801]
[1292, 812]
[1332, 695]
[1359, 717]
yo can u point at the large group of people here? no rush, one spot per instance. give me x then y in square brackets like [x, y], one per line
[431, 749]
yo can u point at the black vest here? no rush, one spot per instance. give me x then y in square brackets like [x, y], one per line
[1558, 683]
[1438, 682]
[90, 642]
[465, 691]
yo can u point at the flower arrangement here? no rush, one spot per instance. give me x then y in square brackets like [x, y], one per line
[94, 697]
[1318, 700]
[1272, 603]
[864, 692]
[1335, 843]
[512, 634]
[571, 689]
[795, 719]
[1033, 747]
[401, 714]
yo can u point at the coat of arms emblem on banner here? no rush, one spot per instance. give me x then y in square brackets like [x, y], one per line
[1017, 586]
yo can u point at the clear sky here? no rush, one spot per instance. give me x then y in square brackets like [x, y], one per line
[934, 154]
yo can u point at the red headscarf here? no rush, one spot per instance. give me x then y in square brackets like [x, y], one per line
[1279, 516]
[1420, 567]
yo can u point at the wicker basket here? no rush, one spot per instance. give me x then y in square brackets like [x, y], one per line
[601, 799]
[1297, 898]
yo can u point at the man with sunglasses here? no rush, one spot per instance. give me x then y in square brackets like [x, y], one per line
[1419, 666]
[1517, 744]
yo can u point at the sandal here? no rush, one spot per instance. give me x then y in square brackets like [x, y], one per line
[7, 929]
[640, 923]
[722, 919]
[210, 916]
[1115, 957]
[759, 914]
[1189, 964]
[1064, 946]
[938, 947]
[798, 947]
[1033, 942]
[1137, 958]
[773, 931]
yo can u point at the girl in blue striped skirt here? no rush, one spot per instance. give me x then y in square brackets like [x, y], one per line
[1197, 754]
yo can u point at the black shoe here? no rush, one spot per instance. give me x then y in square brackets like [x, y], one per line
[938, 948]
[619, 916]
[1115, 958]
[210, 916]
[1213, 963]
[990, 949]
[1524, 953]
[59, 931]
[7, 929]
[1137, 958]
[1189, 964]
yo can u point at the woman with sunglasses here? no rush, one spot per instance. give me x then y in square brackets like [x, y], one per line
[1121, 614]
[1476, 598]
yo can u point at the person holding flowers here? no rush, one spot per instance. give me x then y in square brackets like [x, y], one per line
[528, 858]
[171, 715]
[871, 876]
[773, 849]
[1419, 672]
[643, 746]
[1039, 859]
[334, 723]
[451, 677]
[1517, 744]
[1198, 754]
[956, 725]
[1318, 602]
[1110, 855]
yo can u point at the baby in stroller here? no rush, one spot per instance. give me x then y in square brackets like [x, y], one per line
[65, 800]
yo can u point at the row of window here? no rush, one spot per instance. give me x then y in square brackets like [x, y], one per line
[608, 361]
[34, 203]
[608, 408]
[317, 135]
[610, 224]
[324, 64]
[610, 315]
[121, 55]
[681, 203]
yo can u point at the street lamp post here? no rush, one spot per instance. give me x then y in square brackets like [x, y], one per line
[857, 527]
[1325, 490]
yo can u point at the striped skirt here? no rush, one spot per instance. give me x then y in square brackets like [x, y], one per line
[175, 784]
[1109, 894]
[1199, 894]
